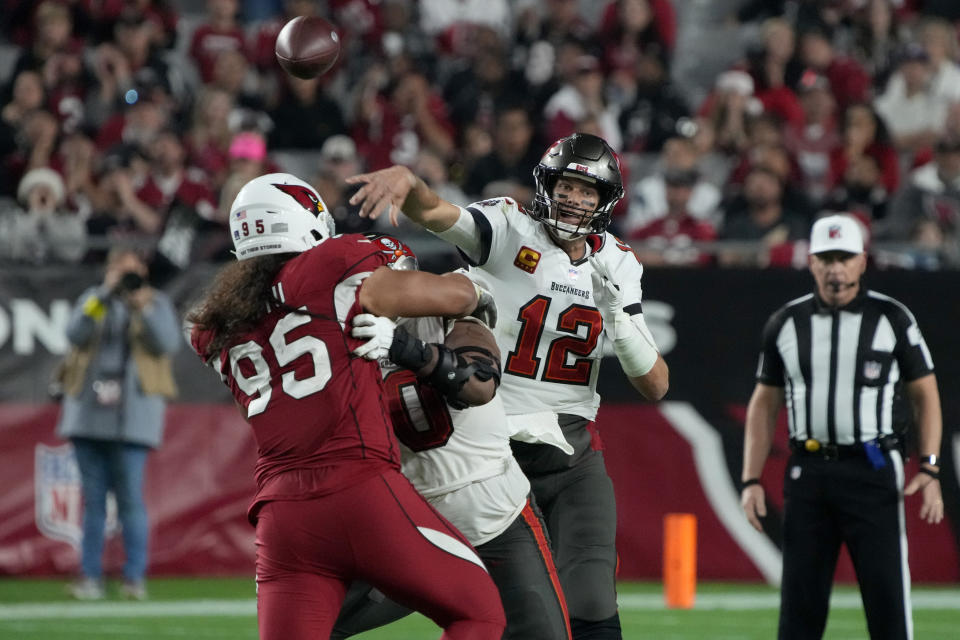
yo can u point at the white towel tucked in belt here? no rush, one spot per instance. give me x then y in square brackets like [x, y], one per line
[541, 427]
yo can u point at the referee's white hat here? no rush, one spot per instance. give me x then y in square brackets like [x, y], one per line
[836, 233]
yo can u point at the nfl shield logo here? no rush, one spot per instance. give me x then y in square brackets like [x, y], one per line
[834, 231]
[573, 274]
[58, 501]
[872, 369]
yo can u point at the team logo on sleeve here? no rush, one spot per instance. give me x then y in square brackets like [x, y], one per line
[527, 259]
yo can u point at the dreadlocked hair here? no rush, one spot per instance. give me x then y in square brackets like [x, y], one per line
[238, 299]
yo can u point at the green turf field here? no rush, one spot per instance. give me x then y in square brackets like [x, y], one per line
[224, 609]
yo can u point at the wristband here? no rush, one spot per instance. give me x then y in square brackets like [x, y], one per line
[636, 352]
[930, 472]
[750, 482]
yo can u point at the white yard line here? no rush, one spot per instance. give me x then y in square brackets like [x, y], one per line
[922, 599]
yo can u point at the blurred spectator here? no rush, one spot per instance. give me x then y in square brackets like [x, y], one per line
[42, 231]
[116, 380]
[514, 152]
[27, 98]
[774, 71]
[52, 34]
[649, 198]
[174, 202]
[848, 81]
[77, 161]
[913, 110]
[393, 130]
[553, 22]
[222, 32]
[877, 39]
[36, 143]
[138, 122]
[208, 140]
[762, 218]
[248, 159]
[629, 28]
[653, 114]
[728, 109]
[231, 73]
[580, 98]
[928, 206]
[861, 193]
[668, 239]
[474, 93]
[812, 142]
[433, 169]
[339, 160]
[104, 14]
[453, 23]
[865, 134]
[305, 117]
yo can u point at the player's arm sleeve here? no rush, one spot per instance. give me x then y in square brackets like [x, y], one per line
[911, 351]
[479, 229]
[770, 365]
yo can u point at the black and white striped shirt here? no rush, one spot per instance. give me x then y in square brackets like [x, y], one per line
[840, 366]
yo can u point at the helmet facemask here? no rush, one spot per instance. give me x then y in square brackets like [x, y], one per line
[579, 221]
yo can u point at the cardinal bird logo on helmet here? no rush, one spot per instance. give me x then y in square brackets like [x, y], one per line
[307, 199]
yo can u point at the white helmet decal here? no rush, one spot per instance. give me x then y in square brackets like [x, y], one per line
[278, 213]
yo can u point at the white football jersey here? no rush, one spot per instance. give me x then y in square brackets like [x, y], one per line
[460, 461]
[550, 333]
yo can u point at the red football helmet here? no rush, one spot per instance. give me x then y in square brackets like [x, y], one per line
[399, 256]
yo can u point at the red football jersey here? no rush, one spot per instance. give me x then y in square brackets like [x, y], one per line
[315, 409]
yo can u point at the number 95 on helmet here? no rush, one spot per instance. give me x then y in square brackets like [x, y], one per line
[278, 213]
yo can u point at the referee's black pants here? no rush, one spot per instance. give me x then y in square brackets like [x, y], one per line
[829, 502]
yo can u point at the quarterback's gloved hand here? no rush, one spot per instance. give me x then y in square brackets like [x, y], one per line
[606, 295]
[379, 332]
[632, 341]
[486, 309]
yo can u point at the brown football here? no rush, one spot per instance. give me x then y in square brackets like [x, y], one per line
[307, 46]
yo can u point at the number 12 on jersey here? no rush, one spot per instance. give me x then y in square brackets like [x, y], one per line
[523, 360]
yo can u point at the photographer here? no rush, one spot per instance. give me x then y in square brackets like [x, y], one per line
[116, 381]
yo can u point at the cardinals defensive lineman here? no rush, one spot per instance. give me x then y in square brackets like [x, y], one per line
[331, 505]
[458, 457]
[563, 286]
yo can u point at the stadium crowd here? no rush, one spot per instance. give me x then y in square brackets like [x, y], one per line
[138, 120]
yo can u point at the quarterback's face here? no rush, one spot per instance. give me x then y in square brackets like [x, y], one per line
[574, 198]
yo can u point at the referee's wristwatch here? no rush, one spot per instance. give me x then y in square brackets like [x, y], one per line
[933, 460]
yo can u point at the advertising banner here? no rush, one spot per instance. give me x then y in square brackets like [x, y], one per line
[679, 456]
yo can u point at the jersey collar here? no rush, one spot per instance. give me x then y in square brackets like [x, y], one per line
[853, 306]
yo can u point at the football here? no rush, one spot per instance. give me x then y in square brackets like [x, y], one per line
[307, 46]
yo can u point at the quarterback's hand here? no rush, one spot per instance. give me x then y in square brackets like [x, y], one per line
[606, 295]
[754, 505]
[932, 509]
[378, 330]
[383, 191]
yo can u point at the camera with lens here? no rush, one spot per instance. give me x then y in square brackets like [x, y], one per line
[129, 281]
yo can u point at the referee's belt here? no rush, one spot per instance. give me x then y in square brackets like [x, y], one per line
[815, 448]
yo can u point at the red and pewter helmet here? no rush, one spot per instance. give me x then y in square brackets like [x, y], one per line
[586, 157]
[400, 257]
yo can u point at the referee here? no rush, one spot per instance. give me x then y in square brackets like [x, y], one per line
[835, 358]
